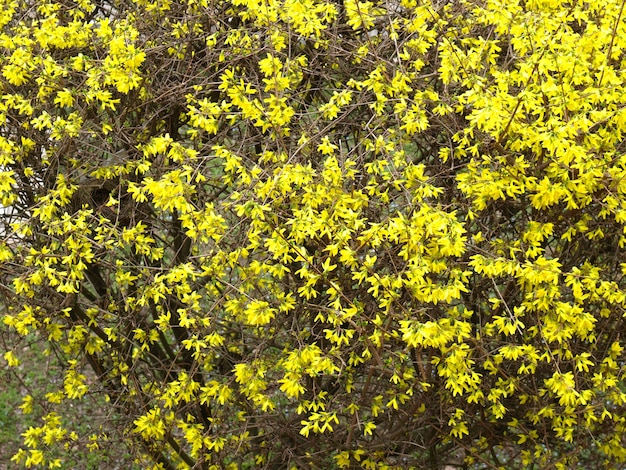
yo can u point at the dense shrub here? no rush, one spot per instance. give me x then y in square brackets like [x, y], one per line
[318, 234]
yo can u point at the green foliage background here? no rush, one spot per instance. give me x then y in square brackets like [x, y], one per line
[327, 234]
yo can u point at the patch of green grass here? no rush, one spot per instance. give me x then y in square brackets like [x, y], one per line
[10, 417]
[38, 374]
[14, 383]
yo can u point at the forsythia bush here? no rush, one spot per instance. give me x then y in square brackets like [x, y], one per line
[318, 233]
